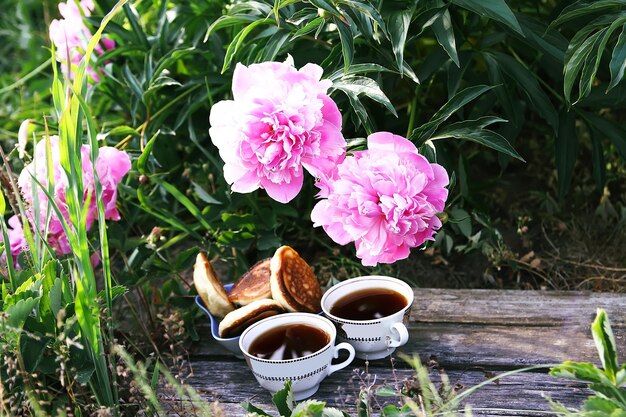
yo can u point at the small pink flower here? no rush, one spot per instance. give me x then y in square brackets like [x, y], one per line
[71, 36]
[280, 122]
[111, 166]
[384, 199]
[16, 237]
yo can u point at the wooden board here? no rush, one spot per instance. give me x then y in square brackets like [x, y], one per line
[472, 334]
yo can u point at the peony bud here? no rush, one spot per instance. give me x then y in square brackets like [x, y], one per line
[22, 138]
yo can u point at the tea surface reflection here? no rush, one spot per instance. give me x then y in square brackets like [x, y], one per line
[368, 304]
[289, 342]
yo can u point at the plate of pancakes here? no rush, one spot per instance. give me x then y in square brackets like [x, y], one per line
[281, 284]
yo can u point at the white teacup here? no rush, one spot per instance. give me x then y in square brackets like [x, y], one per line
[305, 373]
[376, 338]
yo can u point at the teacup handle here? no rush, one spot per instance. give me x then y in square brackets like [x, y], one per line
[350, 349]
[402, 333]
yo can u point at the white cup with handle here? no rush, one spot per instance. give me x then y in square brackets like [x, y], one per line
[306, 372]
[374, 338]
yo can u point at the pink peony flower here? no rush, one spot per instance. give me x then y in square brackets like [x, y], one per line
[384, 199]
[71, 36]
[280, 122]
[111, 166]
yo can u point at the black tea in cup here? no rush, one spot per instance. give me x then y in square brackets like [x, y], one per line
[368, 304]
[289, 342]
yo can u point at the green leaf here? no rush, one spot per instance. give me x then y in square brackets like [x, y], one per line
[268, 240]
[581, 9]
[253, 409]
[360, 111]
[308, 408]
[17, 313]
[203, 195]
[284, 400]
[462, 220]
[228, 21]
[84, 374]
[576, 61]
[542, 37]
[326, 5]
[308, 28]
[537, 98]
[442, 26]
[582, 371]
[620, 376]
[358, 69]
[366, 86]
[32, 350]
[133, 19]
[566, 151]
[367, 10]
[399, 22]
[614, 132]
[116, 291]
[157, 84]
[274, 44]
[601, 407]
[142, 161]
[494, 9]
[3, 204]
[333, 412]
[609, 391]
[347, 42]
[154, 383]
[473, 130]
[386, 392]
[618, 59]
[56, 297]
[592, 62]
[234, 46]
[123, 131]
[460, 99]
[132, 82]
[393, 411]
[605, 343]
[171, 58]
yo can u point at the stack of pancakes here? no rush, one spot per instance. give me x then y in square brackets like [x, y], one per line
[272, 286]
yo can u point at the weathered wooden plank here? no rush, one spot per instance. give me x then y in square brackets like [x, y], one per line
[469, 332]
[230, 383]
[500, 329]
[516, 308]
[458, 346]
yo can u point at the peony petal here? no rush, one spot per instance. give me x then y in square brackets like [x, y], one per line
[388, 142]
[312, 70]
[331, 112]
[246, 182]
[284, 192]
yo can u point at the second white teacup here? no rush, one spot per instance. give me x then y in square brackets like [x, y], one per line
[306, 372]
[373, 338]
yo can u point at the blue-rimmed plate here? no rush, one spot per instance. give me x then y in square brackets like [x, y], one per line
[230, 343]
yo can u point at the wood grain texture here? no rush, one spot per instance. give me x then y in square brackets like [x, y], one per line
[471, 333]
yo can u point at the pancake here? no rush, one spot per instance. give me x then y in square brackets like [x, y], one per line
[210, 288]
[253, 285]
[240, 319]
[293, 283]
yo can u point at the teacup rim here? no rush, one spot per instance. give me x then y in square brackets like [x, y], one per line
[282, 316]
[363, 278]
